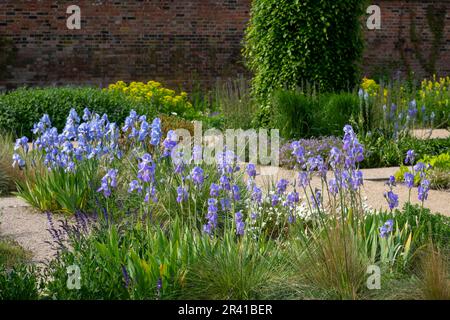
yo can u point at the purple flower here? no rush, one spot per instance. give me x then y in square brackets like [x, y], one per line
[317, 198]
[412, 111]
[197, 176]
[126, 277]
[335, 157]
[134, 185]
[282, 186]
[170, 143]
[151, 194]
[386, 229]
[108, 181]
[182, 194]
[423, 189]
[303, 178]
[236, 193]
[146, 168]
[392, 199]
[225, 204]
[256, 194]
[333, 187]
[197, 153]
[18, 160]
[275, 200]
[214, 190]
[86, 114]
[420, 167]
[410, 157]
[292, 198]
[155, 134]
[211, 216]
[208, 229]
[21, 143]
[251, 170]
[159, 286]
[357, 179]
[225, 182]
[240, 225]
[391, 181]
[226, 162]
[409, 179]
[144, 131]
[298, 151]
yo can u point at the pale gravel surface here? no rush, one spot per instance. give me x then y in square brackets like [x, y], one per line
[29, 227]
[435, 133]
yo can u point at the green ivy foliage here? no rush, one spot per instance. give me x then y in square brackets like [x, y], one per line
[292, 42]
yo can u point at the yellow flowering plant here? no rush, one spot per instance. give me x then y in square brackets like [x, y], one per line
[435, 95]
[162, 99]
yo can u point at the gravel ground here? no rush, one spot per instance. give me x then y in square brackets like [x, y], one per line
[426, 134]
[28, 227]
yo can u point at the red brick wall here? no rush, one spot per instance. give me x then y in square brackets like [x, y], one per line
[390, 50]
[174, 41]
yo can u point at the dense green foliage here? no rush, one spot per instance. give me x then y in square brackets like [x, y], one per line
[438, 171]
[299, 115]
[20, 109]
[19, 283]
[289, 43]
[384, 152]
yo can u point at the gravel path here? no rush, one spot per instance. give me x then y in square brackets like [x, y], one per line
[28, 227]
[427, 134]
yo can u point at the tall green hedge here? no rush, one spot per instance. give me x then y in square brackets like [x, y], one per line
[292, 42]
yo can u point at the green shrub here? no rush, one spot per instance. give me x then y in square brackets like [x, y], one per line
[438, 172]
[426, 225]
[19, 283]
[11, 253]
[21, 108]
[294, 114]
[338, 109]
[382, 151]
[441, 161]
[299, 114]
[8, 175]
[288, 43]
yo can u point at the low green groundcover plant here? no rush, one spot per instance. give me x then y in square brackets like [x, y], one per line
[160, 223]
[438, 169]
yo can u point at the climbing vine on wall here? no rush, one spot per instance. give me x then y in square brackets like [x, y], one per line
[7, 55]
[436, 23]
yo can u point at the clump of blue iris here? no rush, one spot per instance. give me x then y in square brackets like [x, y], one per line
[386, 229]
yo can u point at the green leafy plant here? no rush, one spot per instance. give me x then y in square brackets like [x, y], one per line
[58, 190]
[19, 283]
[8, 175]
[291, 42]
[20, 109]
[438, 171]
